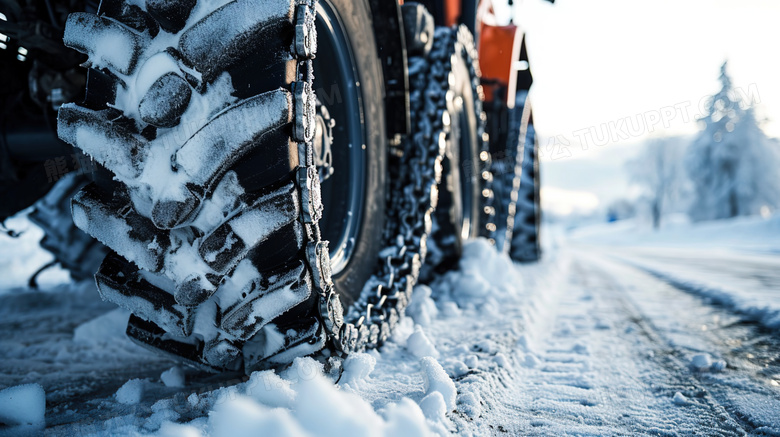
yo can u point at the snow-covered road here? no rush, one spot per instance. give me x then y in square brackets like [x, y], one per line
[592, 340]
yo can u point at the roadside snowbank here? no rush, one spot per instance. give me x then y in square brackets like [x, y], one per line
[729, 262]
[753, 303]
[749, 234]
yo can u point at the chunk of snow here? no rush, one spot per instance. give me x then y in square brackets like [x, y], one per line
[422, 309]
[436, 380]
[701, 362]
[524, 342]
[23, 405]
[501, 360]
[193, 399]
[470, 287]
[718, 366]
[487, 346]
[173, 377]
[456, 368]
[324, 410]
[531, 361]
[434, 407]
[472, 361]
[405, 419]
[103, 329]
[303, 369]
[162, 411]
[270, 389]
[450, 310]
[419, 344]
[357, 367]
[243, 417]
[130, 393]
[495, 269]
[402, 331]
[470, 404]
[679, 399]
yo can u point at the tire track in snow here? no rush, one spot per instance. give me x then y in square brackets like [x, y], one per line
[759, 277]
[591, 373]
[685, 325]
[745, 333]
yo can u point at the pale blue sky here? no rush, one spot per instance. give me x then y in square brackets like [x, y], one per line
[597, 62]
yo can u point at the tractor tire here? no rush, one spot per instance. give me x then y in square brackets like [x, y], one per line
[451, 87]
[221, 178]
[527, 220]
[74, 250]
[516, 185]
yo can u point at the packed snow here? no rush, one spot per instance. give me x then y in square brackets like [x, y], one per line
[23, 405]
[131, 393]
[173, 377]
[583, 342]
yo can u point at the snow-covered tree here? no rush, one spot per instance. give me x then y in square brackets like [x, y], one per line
[732, 164]
[621, 209]
[660, 177]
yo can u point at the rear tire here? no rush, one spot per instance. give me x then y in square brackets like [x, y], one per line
[526, 245]
[74, 250]
[465, 207]
[516, 186]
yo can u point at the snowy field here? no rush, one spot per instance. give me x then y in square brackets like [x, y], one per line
[613, 333]
[733, 262]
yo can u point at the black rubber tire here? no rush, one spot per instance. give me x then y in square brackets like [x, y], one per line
[266, 174]
[526, 246]
[464, 210]
[74, 250]
[516, 184]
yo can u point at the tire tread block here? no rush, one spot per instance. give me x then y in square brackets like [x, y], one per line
[233, 240]
[121, 283]
[89, 34]
[232, 28]
[114, 222]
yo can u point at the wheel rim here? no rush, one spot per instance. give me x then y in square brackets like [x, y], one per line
[338, 90]
[464, 140]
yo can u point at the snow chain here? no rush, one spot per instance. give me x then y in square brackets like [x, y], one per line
[415, 187]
